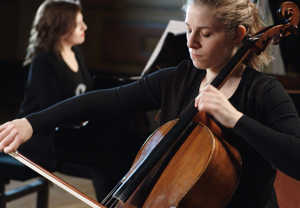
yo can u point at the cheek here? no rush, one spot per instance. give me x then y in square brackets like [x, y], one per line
[212, 51]
[221, 56]
[77, 36]
[220, 48]
[216, 53]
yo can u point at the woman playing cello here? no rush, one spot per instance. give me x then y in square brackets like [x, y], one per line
[253, 110]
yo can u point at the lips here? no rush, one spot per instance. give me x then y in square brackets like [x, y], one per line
[196, 56]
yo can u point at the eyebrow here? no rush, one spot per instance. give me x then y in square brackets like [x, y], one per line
[199, 28]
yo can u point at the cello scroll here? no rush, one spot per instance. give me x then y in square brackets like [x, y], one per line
[290, 17]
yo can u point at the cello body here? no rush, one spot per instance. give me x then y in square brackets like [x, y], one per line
[203, 172]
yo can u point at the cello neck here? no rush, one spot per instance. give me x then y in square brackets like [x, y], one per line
[234, 64]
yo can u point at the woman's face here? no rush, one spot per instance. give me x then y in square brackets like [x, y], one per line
[77, 36]
[210, 45]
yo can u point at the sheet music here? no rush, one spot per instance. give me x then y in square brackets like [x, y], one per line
[175, 27]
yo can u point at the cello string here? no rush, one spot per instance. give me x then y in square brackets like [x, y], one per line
[110, 201]
[114, 203]
[109, 196]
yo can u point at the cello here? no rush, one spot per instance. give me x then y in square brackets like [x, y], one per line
[182, 163]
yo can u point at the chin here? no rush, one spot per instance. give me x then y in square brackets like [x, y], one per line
[199, 65]
[80, 42]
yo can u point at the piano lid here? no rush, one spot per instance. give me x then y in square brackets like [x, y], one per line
[171, 48]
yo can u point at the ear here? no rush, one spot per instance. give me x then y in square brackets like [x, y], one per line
[241, 32]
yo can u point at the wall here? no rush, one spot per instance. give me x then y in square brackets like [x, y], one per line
[9, 29]
[122, 34]
[120, 38]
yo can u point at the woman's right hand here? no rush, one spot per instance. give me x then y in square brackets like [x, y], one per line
[13, 134]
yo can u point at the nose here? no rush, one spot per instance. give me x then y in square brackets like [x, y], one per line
[193, 41]
[84, 26]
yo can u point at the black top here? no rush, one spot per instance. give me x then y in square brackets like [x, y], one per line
[49, 81]
[267, 135]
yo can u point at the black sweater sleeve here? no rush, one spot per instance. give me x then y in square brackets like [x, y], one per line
[278, 139]
[106, 104]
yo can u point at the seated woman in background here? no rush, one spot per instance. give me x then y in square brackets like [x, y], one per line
[56, 72]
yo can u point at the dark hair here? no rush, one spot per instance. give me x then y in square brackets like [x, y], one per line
[233, 13]
[54, 18]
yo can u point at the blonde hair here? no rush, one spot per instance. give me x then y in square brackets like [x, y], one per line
[53, 19]
[233, 13]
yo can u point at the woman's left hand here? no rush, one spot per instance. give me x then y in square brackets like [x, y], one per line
[212, 101]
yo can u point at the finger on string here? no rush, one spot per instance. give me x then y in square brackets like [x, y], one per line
[196, 101]
[202, 89]
[201, 108]
[200, 98]
[208, 104]
[213, 89]
[208, 88]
